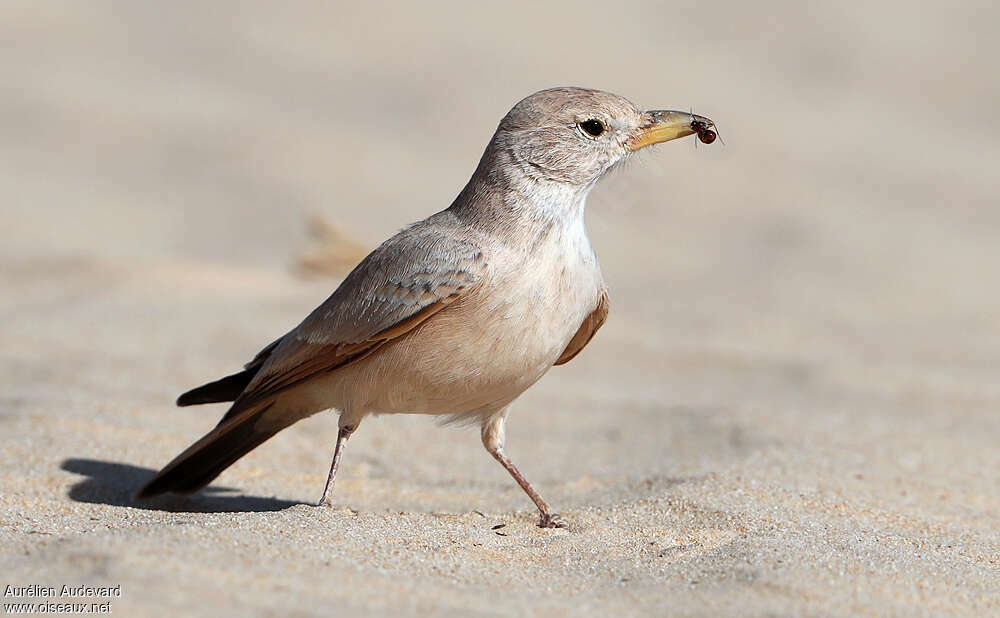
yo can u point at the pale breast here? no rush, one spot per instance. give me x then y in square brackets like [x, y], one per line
[482, 352]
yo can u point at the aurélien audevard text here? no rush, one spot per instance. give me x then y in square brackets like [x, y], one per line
[65, 591]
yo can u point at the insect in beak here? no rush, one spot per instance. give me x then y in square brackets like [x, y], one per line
[705, 134]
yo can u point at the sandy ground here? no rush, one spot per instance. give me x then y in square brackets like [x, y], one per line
[793, 409]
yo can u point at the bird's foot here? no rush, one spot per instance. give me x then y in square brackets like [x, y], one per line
[325, 502]
[551, 520]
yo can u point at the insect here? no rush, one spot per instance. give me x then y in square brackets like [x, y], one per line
[706, 135]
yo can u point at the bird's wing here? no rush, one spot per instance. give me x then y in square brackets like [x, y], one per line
[412, 276]
[587, 329]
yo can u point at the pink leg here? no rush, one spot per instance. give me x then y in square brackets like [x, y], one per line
[493, 436]
[342, 436]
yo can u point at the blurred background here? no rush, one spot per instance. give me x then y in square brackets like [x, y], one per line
[812, 305]
[859, 167]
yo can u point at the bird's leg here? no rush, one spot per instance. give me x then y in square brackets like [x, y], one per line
[342, 436]
[493, 436]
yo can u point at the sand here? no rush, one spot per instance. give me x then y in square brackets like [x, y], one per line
[792, 410]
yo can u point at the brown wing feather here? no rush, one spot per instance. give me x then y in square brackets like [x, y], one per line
[398, 286]
[587, 330]
[305, 361]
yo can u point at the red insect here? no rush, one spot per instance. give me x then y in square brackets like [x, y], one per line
[705, 134]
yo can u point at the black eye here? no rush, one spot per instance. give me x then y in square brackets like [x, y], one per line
[592, 127]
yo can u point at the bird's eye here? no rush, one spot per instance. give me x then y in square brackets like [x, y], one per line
[593, 128]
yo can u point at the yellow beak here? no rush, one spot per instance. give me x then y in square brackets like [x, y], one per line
[664, 125]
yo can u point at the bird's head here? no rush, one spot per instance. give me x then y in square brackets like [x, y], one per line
[574, 135]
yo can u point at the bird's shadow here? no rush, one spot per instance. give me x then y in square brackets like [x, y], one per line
[115, 484]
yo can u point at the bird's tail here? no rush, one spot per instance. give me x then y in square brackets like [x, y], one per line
[217, 450]
[223, 389]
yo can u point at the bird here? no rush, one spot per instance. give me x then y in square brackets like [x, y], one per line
[455, 315]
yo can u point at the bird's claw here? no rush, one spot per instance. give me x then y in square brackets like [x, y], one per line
[551, 520]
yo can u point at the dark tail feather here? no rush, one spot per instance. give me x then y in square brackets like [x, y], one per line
[207, 458]
[224, 389]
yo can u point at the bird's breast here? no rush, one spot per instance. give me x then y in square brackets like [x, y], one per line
[484, 350]
[543, 292]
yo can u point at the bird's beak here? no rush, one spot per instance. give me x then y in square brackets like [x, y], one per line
[660, 126]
